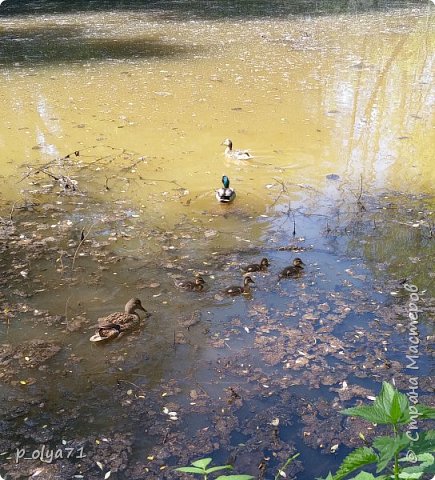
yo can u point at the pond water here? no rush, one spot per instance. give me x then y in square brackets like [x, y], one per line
[112, 132]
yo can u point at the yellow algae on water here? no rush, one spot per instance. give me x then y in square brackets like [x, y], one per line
[306, 97]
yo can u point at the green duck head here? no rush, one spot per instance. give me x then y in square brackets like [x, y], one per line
[226, 181]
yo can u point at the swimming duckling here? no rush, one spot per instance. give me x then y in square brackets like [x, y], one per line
[294, 270]
[118, 322]
[196, 285]
[225, 194]
[255, 267]
[236, 290]
[235, 154]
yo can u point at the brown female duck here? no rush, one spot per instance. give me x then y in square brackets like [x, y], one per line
[116, 323]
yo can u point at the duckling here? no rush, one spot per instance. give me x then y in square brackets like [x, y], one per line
[225, 194]
[116, 323]
[294, 270]
[235, 154]
[255, 267]
[236, 290]
[196, 285]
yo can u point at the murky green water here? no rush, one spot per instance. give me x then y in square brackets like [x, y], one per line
[145, 96]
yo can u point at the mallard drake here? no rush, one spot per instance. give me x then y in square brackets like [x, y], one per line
[235, 154]
[237, 290]
[294, 270]
[196, 285]
[256, 267]
[116, 323]
[225, 194]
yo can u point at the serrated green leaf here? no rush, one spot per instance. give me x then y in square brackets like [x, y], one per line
[372, 413]
[356, 459]
[395, 409]
[425, 442]
[394, 403]
[220, 467]
[235, 477]
[426, 457]
[329, 477]
[390, 407]
[410, 476]
[388, 447]
[202, 462]
[425, 412]
[427, 465]
[190, 470]
[363, 476]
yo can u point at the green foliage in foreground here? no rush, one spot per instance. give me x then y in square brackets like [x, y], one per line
[405, 454]
[199, 467]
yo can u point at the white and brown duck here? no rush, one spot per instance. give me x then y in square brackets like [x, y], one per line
[235, 154]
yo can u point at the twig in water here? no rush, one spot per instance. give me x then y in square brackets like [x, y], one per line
[83, 237]
[358, 200]
[131, 383]
[286, 464]
[12, 212]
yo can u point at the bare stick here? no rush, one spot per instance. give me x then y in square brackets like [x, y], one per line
[83, 237]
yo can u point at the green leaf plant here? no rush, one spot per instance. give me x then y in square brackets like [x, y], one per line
[402, 455]
[199, 467]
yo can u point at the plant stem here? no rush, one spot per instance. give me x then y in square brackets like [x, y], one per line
[396, 457]
[289, 460]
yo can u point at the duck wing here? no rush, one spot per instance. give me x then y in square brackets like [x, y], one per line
[234, 290]
[119, 318]
[254, 267]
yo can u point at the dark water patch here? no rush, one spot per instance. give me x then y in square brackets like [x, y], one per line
[209, 9]
[54, 44]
